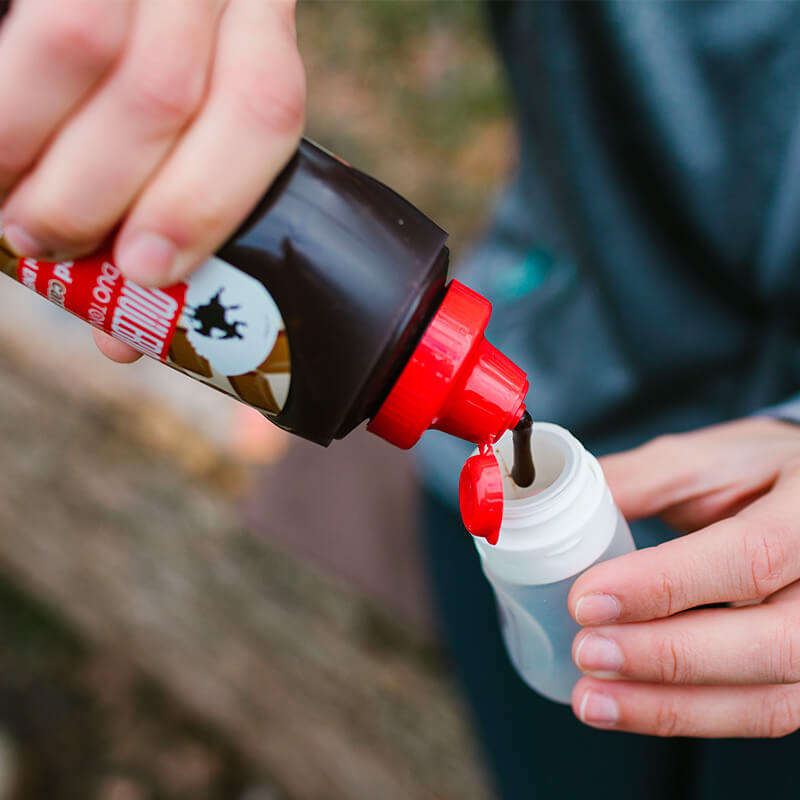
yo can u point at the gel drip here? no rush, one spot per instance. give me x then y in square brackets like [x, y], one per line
[523, 472]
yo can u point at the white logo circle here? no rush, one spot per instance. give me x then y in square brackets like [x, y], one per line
[232, 320]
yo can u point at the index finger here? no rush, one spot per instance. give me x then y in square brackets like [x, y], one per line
[243, 136]
[52, 55]
[746, 557]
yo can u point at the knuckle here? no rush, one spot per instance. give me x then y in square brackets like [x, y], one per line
[83, 32]
[764, 559]
[669, 590]
[274, 103]
[780, 715]
[167, 91]
[673, 666]
[785, 651]
[666, 720]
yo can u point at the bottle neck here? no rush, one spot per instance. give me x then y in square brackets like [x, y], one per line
[560, 524]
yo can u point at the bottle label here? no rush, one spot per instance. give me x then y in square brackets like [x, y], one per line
[220, 326]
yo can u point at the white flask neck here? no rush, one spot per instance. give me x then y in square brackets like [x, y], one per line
[560, 524]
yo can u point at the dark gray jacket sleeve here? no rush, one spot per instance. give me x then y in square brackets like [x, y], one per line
[789, 410]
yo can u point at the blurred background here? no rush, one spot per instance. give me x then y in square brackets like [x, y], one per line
[191, 604]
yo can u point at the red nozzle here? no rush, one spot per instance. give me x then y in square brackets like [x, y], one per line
[455, 381]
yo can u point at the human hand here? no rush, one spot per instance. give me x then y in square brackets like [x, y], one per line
[657, 664]
[163, 120]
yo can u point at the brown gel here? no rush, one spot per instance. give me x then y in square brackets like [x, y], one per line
[523, 472]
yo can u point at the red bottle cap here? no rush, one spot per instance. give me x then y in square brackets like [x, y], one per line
[480, 496]
[455, 381]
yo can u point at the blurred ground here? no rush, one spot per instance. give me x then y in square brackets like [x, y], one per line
[169, 653]
[82, 723]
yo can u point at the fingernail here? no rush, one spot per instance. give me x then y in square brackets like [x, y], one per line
[148, 258]
[598, 709]
[21, 242]
[596, 653]
[594, 609]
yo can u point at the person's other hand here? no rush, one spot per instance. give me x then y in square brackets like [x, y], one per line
[164, 119]
[657, 664]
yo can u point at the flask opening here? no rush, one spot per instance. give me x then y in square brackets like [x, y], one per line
[490, 498]
[549, 456]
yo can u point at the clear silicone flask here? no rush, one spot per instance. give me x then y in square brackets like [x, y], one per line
[550, 532]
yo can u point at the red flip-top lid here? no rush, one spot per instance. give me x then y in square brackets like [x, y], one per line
[480, 495]
[455, 380]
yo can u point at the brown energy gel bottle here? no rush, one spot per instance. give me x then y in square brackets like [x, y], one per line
[328, 307]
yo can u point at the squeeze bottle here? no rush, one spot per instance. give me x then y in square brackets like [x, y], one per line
[545, 535]
[327, 307]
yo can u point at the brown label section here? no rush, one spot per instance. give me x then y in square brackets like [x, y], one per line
[183, 354]
[278, 359]
[254, 388]
[8, 262]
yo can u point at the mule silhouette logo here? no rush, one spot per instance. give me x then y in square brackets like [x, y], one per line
[229, 317]
[213, 315]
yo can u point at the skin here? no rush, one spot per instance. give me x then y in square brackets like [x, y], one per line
[657, 664]
[127, 119]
